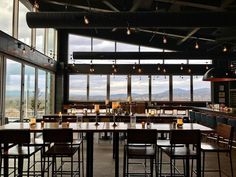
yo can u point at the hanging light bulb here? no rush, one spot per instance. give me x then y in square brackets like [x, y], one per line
[231, 65]
[196, 45]
[86, 20]
[189, 70]
[128, 31]
[207, 67]
[139, 69]
[225, 49]
[91, 67]
[158, 67]
[181, 67]
[164, 40]
[36, 5]
[164, 70]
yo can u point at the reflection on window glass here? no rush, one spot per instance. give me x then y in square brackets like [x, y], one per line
[123, 47]
[13, 89]
[118, 88]
[101, 45]
[78, 43]
[40, 39]
[160, 88]
[181, 88]
[140, 88]
[41, 93]
[78, 87]
[206, 62]
[6, 13]
[50, 93]
[29, 92]
[24, 31]
[201, 89]
[97, 87]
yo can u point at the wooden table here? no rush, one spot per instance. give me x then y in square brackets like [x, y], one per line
[90, 128]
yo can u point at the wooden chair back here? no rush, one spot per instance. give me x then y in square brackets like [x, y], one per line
[225, 131]
[185, 137]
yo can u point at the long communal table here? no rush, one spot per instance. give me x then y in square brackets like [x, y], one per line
[90, 128]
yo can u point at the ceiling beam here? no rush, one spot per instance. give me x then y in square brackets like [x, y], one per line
[188, 35]
[75, 20]
[151, 55]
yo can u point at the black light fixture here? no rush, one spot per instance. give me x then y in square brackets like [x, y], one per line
[219, 75]
[91, 69]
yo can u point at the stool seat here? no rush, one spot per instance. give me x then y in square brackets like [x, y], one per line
[181, 152]
[23, 151]
[62, 150]
[141, 151]
[213, 147]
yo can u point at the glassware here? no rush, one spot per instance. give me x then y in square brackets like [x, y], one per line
[180, 122]
[132, 121]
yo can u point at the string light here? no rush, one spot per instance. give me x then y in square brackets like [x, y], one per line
[164, 40]
[128, 31]
[225, 49]
[196, 45]
[86, 20]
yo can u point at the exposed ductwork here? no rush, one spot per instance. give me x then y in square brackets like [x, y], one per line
[151, 55]
[73, 20]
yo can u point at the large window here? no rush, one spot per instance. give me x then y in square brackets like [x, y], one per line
[201, 89]
[50, 93]
[97, 87]
[24, 31]
[13, 89]
[6, 12]
[181, 88]
[123, 47]
[41, 92]
[40, 39]
[118, 88]
[29, 92]
[140, 88]
[78, 43]
[101, 45]
[160, 88]
[51, 43]
[78, 87]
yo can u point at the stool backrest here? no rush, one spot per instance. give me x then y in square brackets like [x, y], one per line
[225, 131]
[61, 135]
[14, 136]
[185, 137]
[141, 136]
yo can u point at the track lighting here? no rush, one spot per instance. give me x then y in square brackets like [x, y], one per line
[128, 31]
[86, 20]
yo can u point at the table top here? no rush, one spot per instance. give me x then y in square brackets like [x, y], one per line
[103, 126]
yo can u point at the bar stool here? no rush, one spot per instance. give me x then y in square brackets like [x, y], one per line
[15, 144]
[141, 144]
[188, 138]
[60, 146]
[223, 144]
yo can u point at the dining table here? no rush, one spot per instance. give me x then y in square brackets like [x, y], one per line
[91, 127]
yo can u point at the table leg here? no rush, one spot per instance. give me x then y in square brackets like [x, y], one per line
[116, 148]
[89, 167]
[6, 162]
[20, 166]
[114, 145]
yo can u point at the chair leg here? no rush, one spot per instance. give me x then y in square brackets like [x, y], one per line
[151, 167]
[124, 166]
[218, 156]
[53, 161]
[203, 165]
[71, 173]
[231, 164]
[160, 162]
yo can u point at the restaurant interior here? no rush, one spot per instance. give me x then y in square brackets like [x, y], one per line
[102, 88]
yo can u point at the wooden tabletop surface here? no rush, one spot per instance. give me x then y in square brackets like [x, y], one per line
[103, 126]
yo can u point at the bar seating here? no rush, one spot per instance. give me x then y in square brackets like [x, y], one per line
[61, 146]
[186, 153]
[15, 144]
[198, 117]
[192, 116]
[77, 137]
[223, 144]
[141, 144]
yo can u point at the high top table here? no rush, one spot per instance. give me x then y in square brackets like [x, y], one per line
[90, 128]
